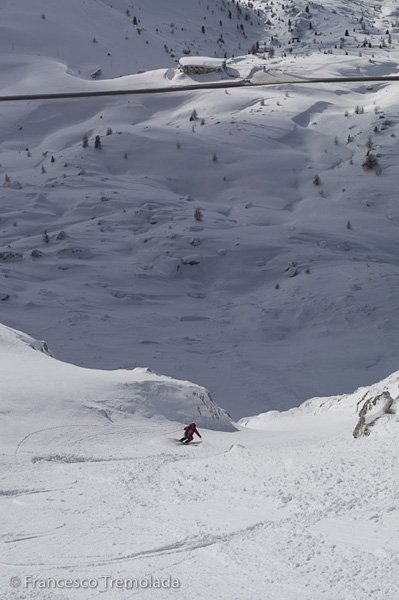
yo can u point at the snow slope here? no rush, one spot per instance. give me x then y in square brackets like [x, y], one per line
[69, 391]
[284, 289]
[124, 253]
[289, 506]
[119, 37]
[204, 247]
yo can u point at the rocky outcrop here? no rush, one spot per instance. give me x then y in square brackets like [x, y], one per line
[371, 410]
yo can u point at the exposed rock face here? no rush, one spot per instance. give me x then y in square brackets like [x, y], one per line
[11, 256]
[371, 410]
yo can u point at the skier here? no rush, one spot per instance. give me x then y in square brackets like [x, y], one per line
[189, 433]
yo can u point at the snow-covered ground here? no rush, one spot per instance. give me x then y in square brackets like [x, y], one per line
[281, 289]
[244, 239]
[96, 491]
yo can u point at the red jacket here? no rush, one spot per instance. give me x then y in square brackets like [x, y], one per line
[190, 430]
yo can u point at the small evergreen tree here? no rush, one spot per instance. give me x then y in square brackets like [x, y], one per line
[198, 214]
[97, 142]
[316, 180]
[371, 162]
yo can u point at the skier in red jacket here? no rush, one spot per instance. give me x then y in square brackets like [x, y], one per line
[189, 433]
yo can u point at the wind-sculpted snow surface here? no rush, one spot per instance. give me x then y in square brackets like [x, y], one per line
[242, 238]
[98, 497]
[31, 380]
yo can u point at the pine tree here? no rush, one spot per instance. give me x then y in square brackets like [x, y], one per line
[316, 180]
[198, 214]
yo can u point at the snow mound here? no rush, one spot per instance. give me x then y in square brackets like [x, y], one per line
[145, 392]
[33, 382]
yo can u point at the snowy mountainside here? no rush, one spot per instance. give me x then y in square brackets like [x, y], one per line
[235, 238]
[32, 380]
[336, 28]
[120, 37]
[250, 248]
[365, 412]
[291, 506]
[101, 246]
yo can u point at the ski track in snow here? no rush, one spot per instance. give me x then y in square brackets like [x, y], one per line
[287, 505]
[280, 289]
